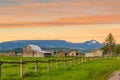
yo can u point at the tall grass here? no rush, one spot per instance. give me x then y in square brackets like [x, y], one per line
[92, 70]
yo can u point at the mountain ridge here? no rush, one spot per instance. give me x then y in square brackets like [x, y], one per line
[91, 44]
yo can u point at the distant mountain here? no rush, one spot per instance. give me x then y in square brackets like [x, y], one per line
[92, 44]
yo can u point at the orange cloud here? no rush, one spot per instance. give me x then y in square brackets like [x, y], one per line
[106, 19]
[60, 12]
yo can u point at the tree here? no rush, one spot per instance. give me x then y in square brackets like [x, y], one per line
[109, 45]
[117, 50]
[105, 49]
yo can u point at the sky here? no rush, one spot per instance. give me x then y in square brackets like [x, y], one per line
[70, 20]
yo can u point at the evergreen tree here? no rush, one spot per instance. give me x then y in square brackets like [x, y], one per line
[109, 45]
[117, 50]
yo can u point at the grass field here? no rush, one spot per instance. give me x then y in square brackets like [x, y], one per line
[92, 70]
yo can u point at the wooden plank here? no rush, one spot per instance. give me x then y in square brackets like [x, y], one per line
[0, 69]
[57, 63]
[70, 61]
[74, 60]
[82, 59]
[64, 63]
[35, 61]
[79, 60]
[48, 65]
[21, 68]
[11, 62]
[36, 66]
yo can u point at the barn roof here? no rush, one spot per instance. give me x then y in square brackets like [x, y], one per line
[37, 48]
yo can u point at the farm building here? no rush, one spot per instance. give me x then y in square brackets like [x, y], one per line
[96, 53]
[73, 52]
[13, 53]
[89, 55]
[61, 53]
[34, 51]
[52, 51]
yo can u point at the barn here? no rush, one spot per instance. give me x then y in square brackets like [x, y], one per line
[61, 53]
[73, 52]
[34, 51]
[96, 53]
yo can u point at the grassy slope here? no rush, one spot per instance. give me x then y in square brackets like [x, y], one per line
[93, 70]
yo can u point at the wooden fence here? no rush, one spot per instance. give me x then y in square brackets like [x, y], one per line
[70, 60]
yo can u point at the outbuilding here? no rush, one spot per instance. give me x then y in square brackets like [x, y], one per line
[61, 53]
[96, 53]
[13, 53]
[34, 51]
[73, 52]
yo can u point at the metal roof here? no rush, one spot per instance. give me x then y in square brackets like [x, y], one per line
[37, 48]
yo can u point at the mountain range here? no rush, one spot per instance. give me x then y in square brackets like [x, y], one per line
[92, 44]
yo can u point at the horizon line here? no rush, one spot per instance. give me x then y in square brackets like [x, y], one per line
[49, 40]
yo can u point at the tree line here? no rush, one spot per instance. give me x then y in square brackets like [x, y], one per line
[110, 47]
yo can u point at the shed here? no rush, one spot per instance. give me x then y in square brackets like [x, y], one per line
[61, 53]
[96, 53]
[73, 52]
[13, 53]
[34, 51]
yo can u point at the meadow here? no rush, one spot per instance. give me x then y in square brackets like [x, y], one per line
[100, 69]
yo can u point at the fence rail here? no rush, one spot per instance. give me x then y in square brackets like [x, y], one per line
[73, 60]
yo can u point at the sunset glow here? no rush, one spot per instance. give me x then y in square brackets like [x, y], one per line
[71, 20]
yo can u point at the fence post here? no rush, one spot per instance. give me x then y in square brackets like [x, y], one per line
[0, 69]
[92, 58]
[85, 59]
[74, 60]
[57, 63]
[70, 61]
[79, 60]
[82, 59]
[36, 66]
[21, 68]
[64, 63]
[88, 58]
[48, 64]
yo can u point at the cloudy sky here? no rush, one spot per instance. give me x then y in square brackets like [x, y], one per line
[71, 20]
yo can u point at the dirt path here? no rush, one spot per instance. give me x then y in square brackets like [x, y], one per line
[116, 76]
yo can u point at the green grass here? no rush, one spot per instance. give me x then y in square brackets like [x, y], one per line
[91, 70]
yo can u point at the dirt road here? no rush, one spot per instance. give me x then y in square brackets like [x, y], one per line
[116, 76]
